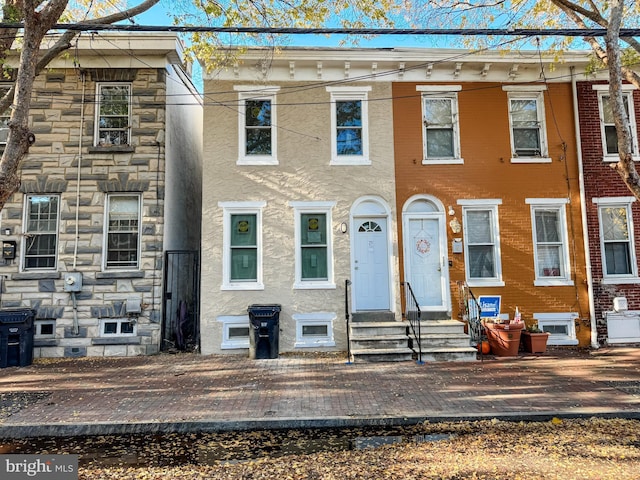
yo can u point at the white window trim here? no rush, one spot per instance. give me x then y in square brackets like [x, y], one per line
[38, 328]
[560, 205]
[480, 204]
[627, 90]
[234, 321]
[25, 238]
[119, 321]
[251, 92]
[529, 92]
[449, 92]
[344, 94]
[313, 319]
[618, 279]
[7, 113]
[96, 131]
[240, 208]
[562, 318]
[313, 207]
[105, 241]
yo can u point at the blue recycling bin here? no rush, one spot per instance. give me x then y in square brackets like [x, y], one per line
[16, 337]
[264, 331]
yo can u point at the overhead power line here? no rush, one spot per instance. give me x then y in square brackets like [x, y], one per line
[525, 32]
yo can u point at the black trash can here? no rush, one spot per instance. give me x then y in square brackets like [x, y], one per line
[264, 333]
[16, 337]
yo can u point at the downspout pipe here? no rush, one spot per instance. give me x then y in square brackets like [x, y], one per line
[75, 248]
[585, 230]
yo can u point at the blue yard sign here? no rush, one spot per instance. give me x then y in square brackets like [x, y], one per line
[490, 306]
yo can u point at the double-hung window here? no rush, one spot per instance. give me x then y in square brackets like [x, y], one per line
[257, 126]
[113, 114]
[482, 242]
[349, 125]
[441, 128]
[527, 124]
[122, 248]
[607, 125]
[551, 249]
[616, 239]
[313, 240]
[242, 249]
[41, 232]
[4, 120]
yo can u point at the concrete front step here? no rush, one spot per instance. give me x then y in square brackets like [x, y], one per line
[445, 340]
[378, 328]
[440, 326]
[465, 354]
[359, 342]
[382, 355]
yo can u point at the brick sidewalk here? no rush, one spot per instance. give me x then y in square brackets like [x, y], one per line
[187, 392]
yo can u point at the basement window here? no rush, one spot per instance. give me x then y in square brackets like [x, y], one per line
[314, 329]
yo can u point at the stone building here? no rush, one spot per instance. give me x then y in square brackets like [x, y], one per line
[111, 184]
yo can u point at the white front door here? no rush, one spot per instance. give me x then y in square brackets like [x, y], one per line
[371, 264]
[425, 268]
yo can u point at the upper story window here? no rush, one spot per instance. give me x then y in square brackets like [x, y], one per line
[616, 239]
[113, 114]
[441, 128]
[527, 124]
[41, 232]
[551, 246]
[4, 119]
[122, 249]
[257, 126]
[242, 245]
[349, 125]
[482, 242]
[607, 124]
[313, 240]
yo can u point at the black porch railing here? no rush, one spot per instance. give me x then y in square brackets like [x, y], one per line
[347, 284]
[471, 311]
[413, 314]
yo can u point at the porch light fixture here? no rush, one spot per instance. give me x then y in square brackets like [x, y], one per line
[452, 212]
[343, 227]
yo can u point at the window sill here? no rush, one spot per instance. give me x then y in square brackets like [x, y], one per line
[235, 345]
[243, 286]
[616, 159]
[620, 281]
[485, 283]
[552, 283]
[116, 341]
[443, 161]
[353, 161]
[312, 344]
[111, 149]
[561, 341]
[131, 274]
[314, 286]
[31, 275]
[531, 160]
[258, 161]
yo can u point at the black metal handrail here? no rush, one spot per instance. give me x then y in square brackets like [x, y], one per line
[413, 315]
[472, 313]
[347, 283]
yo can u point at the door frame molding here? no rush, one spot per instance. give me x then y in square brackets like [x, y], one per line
[440, 215]
[371, 206]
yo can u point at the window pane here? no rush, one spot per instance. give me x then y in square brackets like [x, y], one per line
[314, 229]
[349, 141]
[243, 230]
[111, 328]
[526, 141]
[549, 261]
[244, 264]
[437, 112]
[314, 331]
[547, 226]
[349, 114]
[479, 226]
[524, 112]
[440, 143]
[238, 332]
[314, 263]
[481, 261]
[611, 137]
[258, 113]
[614, 223]
[126, 327]
[617, 258]
[258, 141]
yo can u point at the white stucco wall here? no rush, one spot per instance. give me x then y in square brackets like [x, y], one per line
[303, 174]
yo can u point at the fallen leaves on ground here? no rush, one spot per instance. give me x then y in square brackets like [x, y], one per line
[557, 449]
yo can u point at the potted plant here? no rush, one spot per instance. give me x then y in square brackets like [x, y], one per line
[534, 340]
[504, 338]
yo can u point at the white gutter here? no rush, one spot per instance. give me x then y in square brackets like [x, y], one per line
[583, 209]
